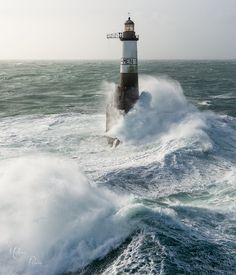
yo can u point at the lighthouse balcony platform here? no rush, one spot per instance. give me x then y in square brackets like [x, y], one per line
[128, 35]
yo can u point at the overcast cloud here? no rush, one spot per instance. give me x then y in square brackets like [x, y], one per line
[76, 29]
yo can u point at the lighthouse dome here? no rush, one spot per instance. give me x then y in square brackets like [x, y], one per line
[129, 21]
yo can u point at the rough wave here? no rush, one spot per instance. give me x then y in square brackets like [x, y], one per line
[171, 182]
[52, 219]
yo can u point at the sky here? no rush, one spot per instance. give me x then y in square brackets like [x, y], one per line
[76, 29]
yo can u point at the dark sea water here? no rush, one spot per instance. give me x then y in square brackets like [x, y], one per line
[163, 202]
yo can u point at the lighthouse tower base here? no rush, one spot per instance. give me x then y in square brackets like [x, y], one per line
[113, 115]
[120, 104]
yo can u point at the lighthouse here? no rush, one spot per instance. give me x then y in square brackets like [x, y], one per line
[127, 92]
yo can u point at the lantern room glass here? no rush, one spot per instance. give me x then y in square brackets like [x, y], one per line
[129, 27]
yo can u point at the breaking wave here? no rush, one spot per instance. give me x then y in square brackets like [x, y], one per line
[162, 111]
[52, 219]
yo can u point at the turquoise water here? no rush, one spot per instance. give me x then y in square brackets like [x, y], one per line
[163, 202]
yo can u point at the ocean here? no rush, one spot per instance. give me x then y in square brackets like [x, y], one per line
[162, 202]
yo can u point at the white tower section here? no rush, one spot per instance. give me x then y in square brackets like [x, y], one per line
[129, 60]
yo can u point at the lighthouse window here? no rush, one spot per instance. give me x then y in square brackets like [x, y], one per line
[129, 27]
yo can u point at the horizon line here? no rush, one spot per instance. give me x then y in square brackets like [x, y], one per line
[117, 60]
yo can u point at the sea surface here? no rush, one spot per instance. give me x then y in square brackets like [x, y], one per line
[162, 202]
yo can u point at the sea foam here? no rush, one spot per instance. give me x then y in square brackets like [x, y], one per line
[52, 219]
[162, 111]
